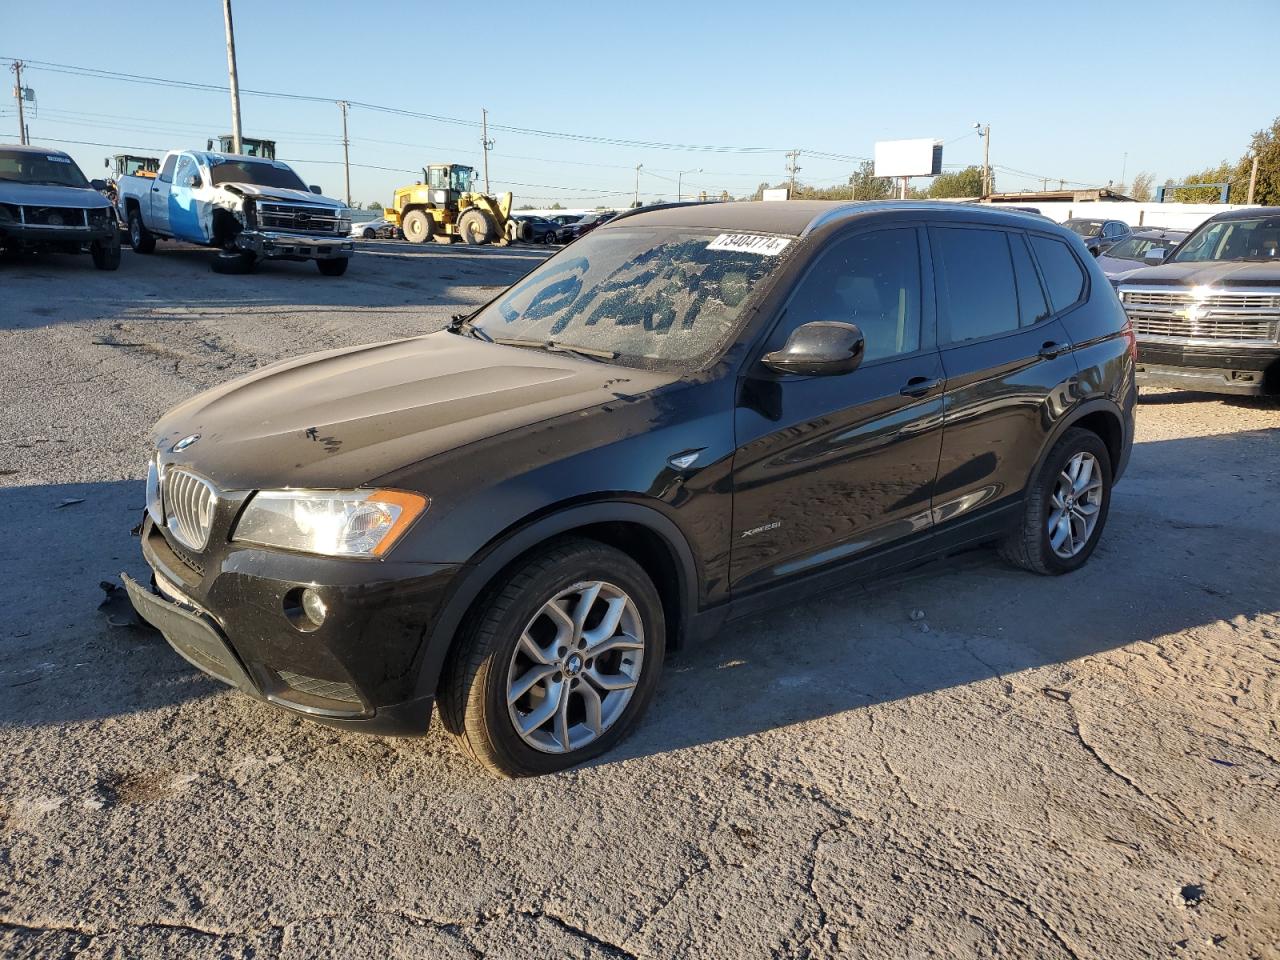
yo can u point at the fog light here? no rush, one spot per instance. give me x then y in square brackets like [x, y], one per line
[313, 606]
[304, 609]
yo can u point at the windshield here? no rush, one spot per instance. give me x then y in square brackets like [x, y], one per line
[1086, 228]
[260, 173]
[56, 169]
[1257, 238]
[1135, 248]
[654, 296]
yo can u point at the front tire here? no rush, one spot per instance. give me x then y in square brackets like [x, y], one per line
[233, 262]
[559, 663]
[140, 238]
[369, 235]
[1066, 507]
[335, 267]
[417, 226]
[476, 227]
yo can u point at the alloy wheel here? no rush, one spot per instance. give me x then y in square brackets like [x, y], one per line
[575, 667]
[1075, 505]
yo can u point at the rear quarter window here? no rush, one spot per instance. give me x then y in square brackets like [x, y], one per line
[1062, 272]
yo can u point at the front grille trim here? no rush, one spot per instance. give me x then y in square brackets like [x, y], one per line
[190, 502]
[297, 218]
[1221, 316]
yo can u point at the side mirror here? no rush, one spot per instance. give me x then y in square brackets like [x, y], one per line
[1155, 256]
[315, 189]
[1096, 251]
[818, 349]
[98, 184]
[106, 162]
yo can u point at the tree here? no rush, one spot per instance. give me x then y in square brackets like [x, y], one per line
[375, 205]
[1141, 189]
[1222, 173]
[962, 183]
[1265, 145]
[867, 186]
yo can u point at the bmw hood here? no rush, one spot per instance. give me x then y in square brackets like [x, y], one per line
[344, 418]
[281, 193]
[47, 195]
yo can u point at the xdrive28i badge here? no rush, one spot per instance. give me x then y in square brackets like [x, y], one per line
[184, 443]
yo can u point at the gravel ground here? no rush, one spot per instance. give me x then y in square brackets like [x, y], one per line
[966, 761]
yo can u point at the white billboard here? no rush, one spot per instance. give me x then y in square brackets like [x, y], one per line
[909, 158]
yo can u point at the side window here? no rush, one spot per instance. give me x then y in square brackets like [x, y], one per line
[871, 279]
[977, 293]
[186, 170]
[1032, 305]
[1063, 274]
[166, 172]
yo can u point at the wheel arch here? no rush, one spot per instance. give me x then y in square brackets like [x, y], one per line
[643, 533]
[1101, 416]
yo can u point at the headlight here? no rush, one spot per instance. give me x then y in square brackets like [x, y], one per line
[154, 477]
[335, 523]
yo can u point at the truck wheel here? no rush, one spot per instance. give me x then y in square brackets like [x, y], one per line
[417, 226]
[476, 227]
[335, 267]
[106, 254]
[559, 662]
[140, 238]
[233, 261]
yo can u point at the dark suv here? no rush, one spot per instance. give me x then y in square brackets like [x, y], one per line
[693, 414]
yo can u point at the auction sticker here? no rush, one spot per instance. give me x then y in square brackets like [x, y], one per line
[50, 156]
[750, 243]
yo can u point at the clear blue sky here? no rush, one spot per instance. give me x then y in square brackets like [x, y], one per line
[1068, 88]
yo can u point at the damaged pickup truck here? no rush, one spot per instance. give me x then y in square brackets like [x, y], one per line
[248, 207]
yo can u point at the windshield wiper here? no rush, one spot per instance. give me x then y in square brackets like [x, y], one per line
[553, 346]
[463, 325]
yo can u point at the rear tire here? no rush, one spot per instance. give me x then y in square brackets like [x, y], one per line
[417, 226]
[369, 235]
[106, 254]
[478, 699]
[140, 238]
[335, 267]
[1064, 513]
[476, 227]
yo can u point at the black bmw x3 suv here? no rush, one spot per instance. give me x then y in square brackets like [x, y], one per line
[692, 414]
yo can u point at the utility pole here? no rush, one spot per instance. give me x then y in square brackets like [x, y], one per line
[236, 144]
[346, 156]
[985, 134]
[792, 169]
[486, 143]
[1253, 179]
[22, 122]
[639, 167]
[680, 179]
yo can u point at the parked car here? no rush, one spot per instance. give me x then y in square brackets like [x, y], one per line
[47, 205]
[565, 218]
[250, 208]
[1098, 235]
[541, 230]
[374, 229]
[572, 231]
[693, 414]
[1130, 254]
[1207, 317]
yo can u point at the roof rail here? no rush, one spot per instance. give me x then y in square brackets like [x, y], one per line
[632, 211]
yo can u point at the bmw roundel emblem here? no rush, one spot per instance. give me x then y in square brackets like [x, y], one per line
[184, 443]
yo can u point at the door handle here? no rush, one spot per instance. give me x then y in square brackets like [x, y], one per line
[919, 386]
[155, 189]
[1049, 350]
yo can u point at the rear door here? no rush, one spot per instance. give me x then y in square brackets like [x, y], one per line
[830, 468]
[1009, 366]
[158, 220]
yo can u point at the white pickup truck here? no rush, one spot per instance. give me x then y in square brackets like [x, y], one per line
[247, 207]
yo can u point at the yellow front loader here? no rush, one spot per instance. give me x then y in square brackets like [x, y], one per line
[443, 207]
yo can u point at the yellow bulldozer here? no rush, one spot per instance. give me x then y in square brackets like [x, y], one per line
[443, 207]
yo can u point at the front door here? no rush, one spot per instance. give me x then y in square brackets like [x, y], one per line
[830, 468]
[160, 188]
[189, 218]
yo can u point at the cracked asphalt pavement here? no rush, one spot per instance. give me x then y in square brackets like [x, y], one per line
[968, 761]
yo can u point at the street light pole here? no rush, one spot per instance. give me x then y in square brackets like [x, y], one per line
[236, 145]
[679, 179]
[639, 167]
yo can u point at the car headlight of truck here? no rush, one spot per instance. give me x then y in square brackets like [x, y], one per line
[333, 523]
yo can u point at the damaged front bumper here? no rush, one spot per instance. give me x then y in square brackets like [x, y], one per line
[271, 245]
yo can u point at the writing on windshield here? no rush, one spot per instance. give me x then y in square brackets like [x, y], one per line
[54, 169]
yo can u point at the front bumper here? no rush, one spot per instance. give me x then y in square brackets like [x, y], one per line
[1215, 369]
[291, 246]
[360, 669]
[31, 235]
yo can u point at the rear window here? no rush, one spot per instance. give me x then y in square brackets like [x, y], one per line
[1063, 274]
[977, 293]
